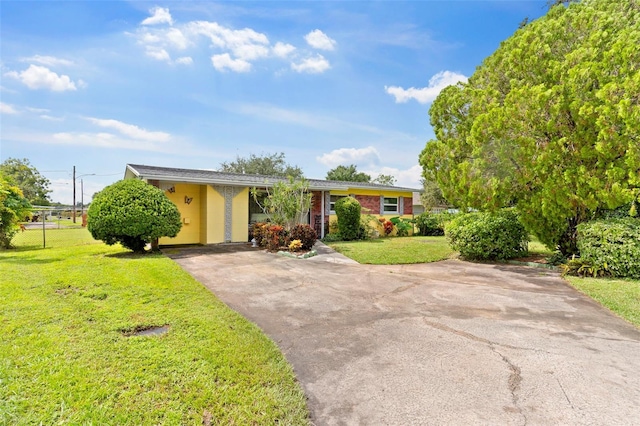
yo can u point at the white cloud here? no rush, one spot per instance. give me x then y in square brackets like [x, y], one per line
[7, 109]
[232, 50]
[319, 40]
[282, 50]
[313, 65]
[245, 44]
[346, 156]
[107, 140]
[426, 94]
[51, 118]
[48, 60]
[37, 110]
[224, 62]
[131, 130]
[177, 38]
[409, 178]
[37, 77]
[158, 54]
[159, 15]
[185, 60]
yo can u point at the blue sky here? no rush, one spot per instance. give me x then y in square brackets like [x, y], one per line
[98, 85]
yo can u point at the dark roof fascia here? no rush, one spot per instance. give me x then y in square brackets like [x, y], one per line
[245, 180]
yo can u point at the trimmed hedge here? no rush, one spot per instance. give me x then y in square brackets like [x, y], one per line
[611, 245]
[488, 236]
[132, 213]
[348, 211]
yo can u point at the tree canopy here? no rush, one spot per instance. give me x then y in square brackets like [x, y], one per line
[265, 164]
[385, 180]
[132, 213]
[33, 185]
[549, 123]
[348, 174]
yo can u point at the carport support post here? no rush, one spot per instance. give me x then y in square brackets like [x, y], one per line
[322, 217]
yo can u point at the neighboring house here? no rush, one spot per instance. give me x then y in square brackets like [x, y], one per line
[217, 207]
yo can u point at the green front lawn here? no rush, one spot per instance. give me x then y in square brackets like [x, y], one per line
[65, 356]
[620, 296]
[395, 250]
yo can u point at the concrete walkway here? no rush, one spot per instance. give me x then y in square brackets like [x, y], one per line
[443, 343]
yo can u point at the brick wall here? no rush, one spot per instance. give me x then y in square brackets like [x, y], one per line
[408, 205]
[370, 203]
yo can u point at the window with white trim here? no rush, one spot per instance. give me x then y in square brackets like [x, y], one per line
[332, 202]
[390, 205]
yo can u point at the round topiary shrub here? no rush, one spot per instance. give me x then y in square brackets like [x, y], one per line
[348, 211]
[611, 246]
[132, 213]
[488, 236]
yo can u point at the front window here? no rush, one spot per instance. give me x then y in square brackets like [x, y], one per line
[390, 205]
[332, 202]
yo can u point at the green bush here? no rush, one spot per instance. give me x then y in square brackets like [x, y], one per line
[332, 237]
[433, 224]
[13, 208]
[402, 225]
[132, 213]
[490, 236]
[611, 245]
[428, 224]
[581, 268]
[305, 233]
[348, 210]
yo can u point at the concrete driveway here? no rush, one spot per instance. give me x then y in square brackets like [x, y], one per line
[443, 343]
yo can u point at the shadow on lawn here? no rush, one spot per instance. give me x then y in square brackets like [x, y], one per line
[18, 257]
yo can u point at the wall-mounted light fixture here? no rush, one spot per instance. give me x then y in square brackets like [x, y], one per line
[188, 200]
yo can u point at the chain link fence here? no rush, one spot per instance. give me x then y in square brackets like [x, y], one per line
[48, 227]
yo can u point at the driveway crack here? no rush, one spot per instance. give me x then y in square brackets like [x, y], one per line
[515, 376]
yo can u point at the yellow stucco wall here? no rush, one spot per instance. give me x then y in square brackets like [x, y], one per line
[189, 213]
[215, 216]
[240, 214]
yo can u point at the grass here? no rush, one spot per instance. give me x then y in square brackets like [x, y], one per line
[65, 356]
[396, 250]
[537, 248]
[54, 238]
[620, 296]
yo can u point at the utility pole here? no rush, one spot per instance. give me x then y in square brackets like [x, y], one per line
[82, 202]
[74, 194]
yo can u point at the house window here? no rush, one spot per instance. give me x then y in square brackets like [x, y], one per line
[332, 202]
[390, 205]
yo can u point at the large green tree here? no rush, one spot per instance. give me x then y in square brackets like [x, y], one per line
[549, 123]
[25, 176]
[265, 164]
[348, 174]
[13, 208]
